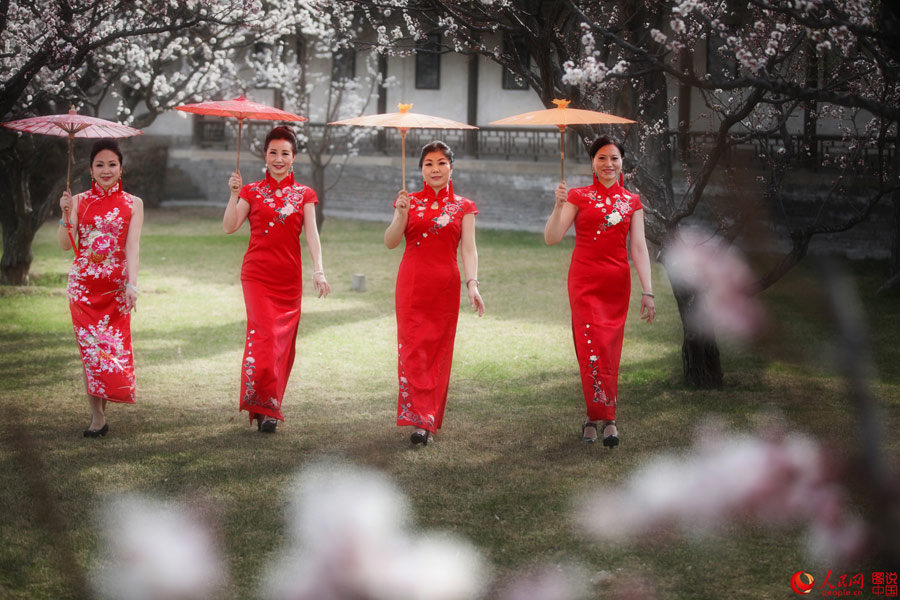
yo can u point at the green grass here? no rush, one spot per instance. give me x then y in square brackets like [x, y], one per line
[506, 466]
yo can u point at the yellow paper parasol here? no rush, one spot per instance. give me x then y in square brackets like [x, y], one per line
[404, 121]
[561, 116]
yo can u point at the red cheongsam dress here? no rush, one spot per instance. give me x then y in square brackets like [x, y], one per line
[96, 290]
[272, 279]
[599, 290]
[427, 301]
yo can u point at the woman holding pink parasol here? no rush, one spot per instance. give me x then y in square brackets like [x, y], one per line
[102, 285]
[278, 209]
[434, 222]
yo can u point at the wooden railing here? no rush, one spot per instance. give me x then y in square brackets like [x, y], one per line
[518, 143]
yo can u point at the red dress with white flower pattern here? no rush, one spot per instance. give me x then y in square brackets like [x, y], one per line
[272, 279]
[427, 301]
[96, 291]
[599, 290]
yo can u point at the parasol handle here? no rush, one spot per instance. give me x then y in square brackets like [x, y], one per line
[403, 154]
[237, 167]
[562, 153]
[69, 189]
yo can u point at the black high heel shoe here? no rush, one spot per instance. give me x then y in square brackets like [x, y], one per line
[420, 436]
[95, 433]
[267, 424]
[612, 440]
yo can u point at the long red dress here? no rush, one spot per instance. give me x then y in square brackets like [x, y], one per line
[96, 290]
[427, 301]
[599, 290]
[272, 279]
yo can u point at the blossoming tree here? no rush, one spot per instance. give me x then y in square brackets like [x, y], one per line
[777, 74]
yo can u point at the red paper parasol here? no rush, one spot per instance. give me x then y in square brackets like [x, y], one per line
[240, 108]
[72, 125]
[561, 116]
[404, 121]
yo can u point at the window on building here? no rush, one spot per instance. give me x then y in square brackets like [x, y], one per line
[515, 45]
[343, 64]
[428, 63]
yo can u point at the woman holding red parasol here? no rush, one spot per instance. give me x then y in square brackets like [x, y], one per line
[102, 285]
[278, 209]
[435, 222]
[605, 214]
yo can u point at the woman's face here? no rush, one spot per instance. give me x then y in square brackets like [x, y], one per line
[279, 159]
[607, 164]
[436, 170]
[106, 169]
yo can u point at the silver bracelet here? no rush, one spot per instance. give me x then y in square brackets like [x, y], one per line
[321, 272]
[130, 286]
[647, 294]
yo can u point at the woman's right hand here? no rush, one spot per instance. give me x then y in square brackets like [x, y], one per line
[235, 183]
[561, 194]
[66, 202]
[402, 203]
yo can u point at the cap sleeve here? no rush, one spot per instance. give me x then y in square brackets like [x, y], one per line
[310, 196]
[246, 194]
[575, 197]
[468, 207]
[636, 202]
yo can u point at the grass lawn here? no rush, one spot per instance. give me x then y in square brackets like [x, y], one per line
[506, 465]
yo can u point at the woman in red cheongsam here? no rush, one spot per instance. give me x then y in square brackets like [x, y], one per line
[278, 208]
[435, 222]
[102, 285]
[604, 214]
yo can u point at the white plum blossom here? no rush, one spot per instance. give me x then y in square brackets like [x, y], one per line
[158, 551]
[351, 539]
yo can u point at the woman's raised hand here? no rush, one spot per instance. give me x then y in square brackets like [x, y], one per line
[561, 194]
[402, 202]
[235, 182]
[66, 202]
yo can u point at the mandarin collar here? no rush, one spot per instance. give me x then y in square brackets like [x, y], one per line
[277, 185]
[430, 194]
[98, 189]
[615, 188]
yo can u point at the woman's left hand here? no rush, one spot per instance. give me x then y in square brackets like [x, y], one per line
[648, 308]
[321, 285]
[476, 300]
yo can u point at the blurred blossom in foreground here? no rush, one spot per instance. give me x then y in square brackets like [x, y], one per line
[157, 551]
[726, 301]
[549, 582]
[782, 481]
[349, 540]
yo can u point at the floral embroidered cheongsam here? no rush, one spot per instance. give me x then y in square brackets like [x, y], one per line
[272, 280]
[96, 290]
[599, 290]
[427, 303]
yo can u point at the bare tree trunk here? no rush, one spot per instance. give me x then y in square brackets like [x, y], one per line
[318, 184]
[699, 352]
[895, 235]
[15, 220]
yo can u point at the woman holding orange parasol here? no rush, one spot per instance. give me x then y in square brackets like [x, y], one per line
[278, 209]
[434, 222]
[102, 285]
[605, 214]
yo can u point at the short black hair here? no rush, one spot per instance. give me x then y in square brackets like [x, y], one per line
[436, 146]
[282, 132]
[604, 140]
[106, 144]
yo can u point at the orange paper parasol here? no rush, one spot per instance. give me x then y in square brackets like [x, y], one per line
[404, 121]
[561, 116]
[240, 108]
[72, 125]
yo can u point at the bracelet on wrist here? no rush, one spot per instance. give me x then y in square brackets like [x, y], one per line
[468, 281]
[647, 294]
[322, 273]
[131, 286]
